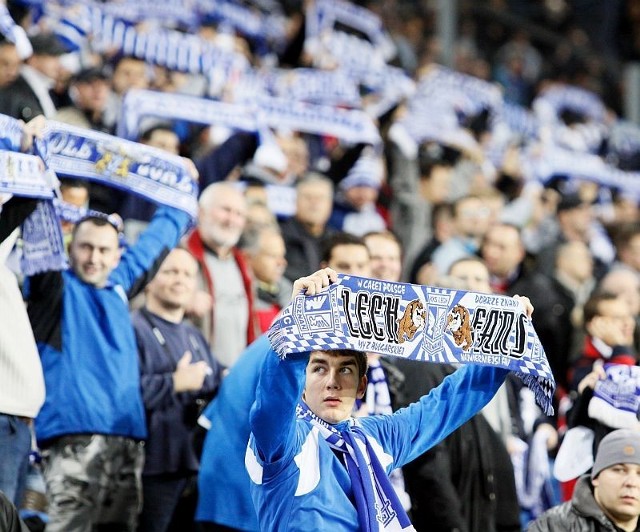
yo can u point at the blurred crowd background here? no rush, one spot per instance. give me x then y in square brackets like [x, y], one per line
[488, 145]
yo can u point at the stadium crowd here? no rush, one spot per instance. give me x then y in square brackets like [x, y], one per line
[170, 170]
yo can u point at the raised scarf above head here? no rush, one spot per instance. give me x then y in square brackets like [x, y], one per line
[25, 175]
[351, 125]
[546, 161]
[377, 503]
[142, 170]
[75, 152]
[417, 322]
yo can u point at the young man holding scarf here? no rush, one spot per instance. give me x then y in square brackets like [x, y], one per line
[313, 466]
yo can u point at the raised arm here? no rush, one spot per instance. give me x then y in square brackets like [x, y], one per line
[280, 386]
[141, 262]
[415, 429]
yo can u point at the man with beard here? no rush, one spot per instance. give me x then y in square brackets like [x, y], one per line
[223, 309]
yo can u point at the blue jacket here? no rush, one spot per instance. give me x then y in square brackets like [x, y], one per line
[224, 495]
[299, 484]
[87, 344]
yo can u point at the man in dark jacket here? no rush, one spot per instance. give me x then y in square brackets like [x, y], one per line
[30, 93]
[610, 498]
[305, 232]
[466, 482]
[177, 375]
[9, 520]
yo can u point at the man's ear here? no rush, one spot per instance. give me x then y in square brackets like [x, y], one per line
[362, 387]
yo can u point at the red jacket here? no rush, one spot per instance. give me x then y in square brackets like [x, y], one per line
[196, 247]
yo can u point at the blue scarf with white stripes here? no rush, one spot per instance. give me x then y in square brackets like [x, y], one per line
[378, 506]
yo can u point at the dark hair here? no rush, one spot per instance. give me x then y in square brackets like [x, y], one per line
[339, 239]
[73, 183]
[432, 154]
[100, 220]
[360, 356]
[591, 308]
[148, 133]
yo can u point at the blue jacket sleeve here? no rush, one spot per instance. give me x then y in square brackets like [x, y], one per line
[273, 414]
[413, 430]
[141, 262]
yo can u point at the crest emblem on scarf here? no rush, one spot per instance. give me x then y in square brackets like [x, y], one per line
[113, 162]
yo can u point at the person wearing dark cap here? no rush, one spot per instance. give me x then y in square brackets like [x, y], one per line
[29, 95]
[609, 498]
[89, 92]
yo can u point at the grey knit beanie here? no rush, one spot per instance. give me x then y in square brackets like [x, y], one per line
[621, 446]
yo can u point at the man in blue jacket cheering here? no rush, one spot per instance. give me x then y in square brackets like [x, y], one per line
[92, 424]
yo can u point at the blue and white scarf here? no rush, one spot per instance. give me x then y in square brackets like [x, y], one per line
[417, 322]
[326, 87]
[361, 39]
[92, 24]
[377, 503]
[82, 153]
[351, 125]
[10, 133]
[148, 172]
[552, 101]
[25, 175]
[251, 23]
[14, 33]
[616, 399]
[544, 162]
[468, 93]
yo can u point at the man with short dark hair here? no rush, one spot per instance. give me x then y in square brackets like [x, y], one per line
[608, 499]
[89, 92]
[178, 375]
[92, 424]
[347, 254]
[313, 466]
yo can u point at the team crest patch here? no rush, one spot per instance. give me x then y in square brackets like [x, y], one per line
[411, 321]
[459, 323]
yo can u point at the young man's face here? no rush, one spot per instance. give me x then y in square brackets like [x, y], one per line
[617, 491]
[94, 253]
[473, 274]
[333, 385]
